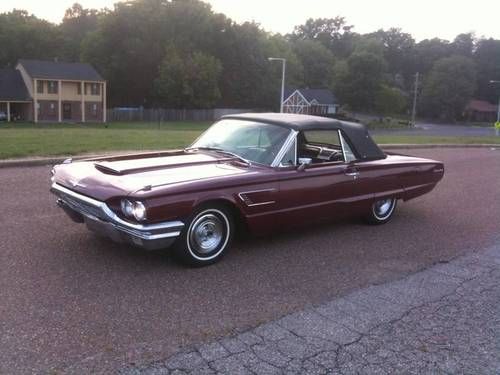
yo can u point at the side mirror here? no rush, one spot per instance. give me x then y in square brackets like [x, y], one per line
[303, 163]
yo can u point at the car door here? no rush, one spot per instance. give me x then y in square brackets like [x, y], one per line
[324, 189]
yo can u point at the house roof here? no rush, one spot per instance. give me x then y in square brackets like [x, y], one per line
[60, 70]
[481, 106]
[358, 137]
[322, 96]
[12, 87]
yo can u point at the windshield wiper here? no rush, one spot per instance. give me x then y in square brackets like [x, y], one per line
[220, 150]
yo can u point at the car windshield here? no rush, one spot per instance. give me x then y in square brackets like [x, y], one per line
[254, 141]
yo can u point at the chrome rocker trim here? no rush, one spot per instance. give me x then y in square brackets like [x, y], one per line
[101, 219]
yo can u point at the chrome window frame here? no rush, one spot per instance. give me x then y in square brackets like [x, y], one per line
[343, 144]
[281, 153]
[294, 145]
[293, 137]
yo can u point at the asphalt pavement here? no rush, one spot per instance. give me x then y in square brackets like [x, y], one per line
[72, 301]
[443, 320]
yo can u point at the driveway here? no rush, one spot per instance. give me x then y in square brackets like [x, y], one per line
[69, 299]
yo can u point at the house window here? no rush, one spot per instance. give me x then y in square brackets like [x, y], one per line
[79, 88]
[39, 87]
[94, 89]
[52, 87]
[52, 110]
[94, 109]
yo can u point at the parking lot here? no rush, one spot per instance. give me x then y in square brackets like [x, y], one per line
[71, 299]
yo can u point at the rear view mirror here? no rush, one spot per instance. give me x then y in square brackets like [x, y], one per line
[303, 163]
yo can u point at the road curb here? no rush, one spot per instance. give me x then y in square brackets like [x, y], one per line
[437, 145]
[37, 162]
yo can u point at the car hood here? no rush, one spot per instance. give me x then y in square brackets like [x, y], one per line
[105, 178]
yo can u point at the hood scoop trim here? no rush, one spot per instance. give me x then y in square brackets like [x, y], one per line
[107, 167]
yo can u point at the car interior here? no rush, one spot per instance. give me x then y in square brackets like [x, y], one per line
[321, 146]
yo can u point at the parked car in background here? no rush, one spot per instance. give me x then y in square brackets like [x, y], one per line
[3, 116]
[263, 171]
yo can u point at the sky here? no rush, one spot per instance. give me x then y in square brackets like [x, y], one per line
[422, 18]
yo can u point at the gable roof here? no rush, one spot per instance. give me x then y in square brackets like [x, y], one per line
[12, 87]
[481, 106]
[322, 96]
[60, 70]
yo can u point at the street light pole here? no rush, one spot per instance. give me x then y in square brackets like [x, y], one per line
[415, 93]
[282, 79]
[498, 111]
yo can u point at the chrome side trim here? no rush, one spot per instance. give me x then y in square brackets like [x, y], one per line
[143, 231]
[261, 204]
[279, 156]
[240, 195]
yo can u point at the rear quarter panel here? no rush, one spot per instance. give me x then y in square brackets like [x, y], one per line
[415, 176]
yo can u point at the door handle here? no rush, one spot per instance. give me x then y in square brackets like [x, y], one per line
[354, 174]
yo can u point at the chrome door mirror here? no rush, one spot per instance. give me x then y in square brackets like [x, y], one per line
[303, 163]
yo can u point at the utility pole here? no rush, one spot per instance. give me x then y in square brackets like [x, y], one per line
[415, 94]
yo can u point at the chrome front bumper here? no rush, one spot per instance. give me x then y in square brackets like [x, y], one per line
[101, 219]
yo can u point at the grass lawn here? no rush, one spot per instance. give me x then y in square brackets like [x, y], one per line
[24, 140]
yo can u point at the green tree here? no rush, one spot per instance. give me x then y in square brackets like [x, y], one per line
[358, 79]
[428, 51]
[243, 51]
[390, 101]
[449, 87]
[464, 44]
[77, 23]
[279, 46]
[317, 63]
[129, 44]
[334, 33]
[487, 61]
[189, 81]
[398, 51]
[25, 36]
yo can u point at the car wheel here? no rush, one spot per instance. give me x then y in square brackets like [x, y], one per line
[206, 236]
[381, 211]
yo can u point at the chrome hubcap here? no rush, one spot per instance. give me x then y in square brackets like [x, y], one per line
[206, 233]
[383, 207]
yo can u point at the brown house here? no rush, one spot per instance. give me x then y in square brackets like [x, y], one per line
[481, 111]
[53, 92]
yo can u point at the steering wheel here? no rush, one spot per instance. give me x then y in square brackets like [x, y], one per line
[334, 156]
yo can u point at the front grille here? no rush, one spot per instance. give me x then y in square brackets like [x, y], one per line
[82, 206]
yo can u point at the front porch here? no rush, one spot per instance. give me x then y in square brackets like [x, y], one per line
[17, 110]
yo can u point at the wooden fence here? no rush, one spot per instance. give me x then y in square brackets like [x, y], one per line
[160, 115]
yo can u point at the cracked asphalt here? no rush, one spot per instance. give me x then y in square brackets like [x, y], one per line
[73, 302]
[445, 319]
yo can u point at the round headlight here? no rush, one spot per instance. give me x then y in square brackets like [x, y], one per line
[127, 208]
[139, 211]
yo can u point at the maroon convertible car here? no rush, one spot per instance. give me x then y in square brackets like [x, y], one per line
[262, 171]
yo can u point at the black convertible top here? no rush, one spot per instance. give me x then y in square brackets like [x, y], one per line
[357, 135]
